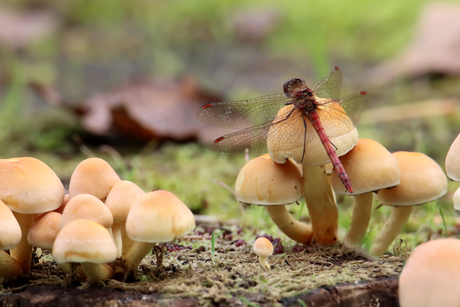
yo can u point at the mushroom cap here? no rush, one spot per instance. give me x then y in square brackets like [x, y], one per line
[93, 176]
[456, 199]
[89, 207]
[29, 186]
[280, 144]
[370, 167]
[453, 160]
[431, 276]
[422, 180]
[159, 216]
[44, 231]
[11, 231]
[84, 241]
[262, 181]
[263, 247]
[121, 198]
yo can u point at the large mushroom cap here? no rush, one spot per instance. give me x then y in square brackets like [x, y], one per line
[93, 176]
[280, 145]
[422, 180]
[262, 181]
[453, 160]
[159, 216]
[29, 186]
[84, 241]
[10, 233]
[431, 276]
[370, 167]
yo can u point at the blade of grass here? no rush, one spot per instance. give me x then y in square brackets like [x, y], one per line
[214, 236]
[443, 222]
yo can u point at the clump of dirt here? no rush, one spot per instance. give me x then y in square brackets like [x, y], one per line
[233, 277]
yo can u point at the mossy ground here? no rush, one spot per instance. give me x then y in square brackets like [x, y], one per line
[234, 277]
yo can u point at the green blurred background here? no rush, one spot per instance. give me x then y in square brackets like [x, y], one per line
[237, 49]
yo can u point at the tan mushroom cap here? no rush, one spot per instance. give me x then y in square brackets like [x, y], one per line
[263, 247]
[280, 149]
[121, 198]
[84, 241]
[453, 160]
[93, 176]
[370, 167]
[431, 276]
[29, 186]
[456, 199]
[159, 216]
[10, 233]
[44, 231]
[89, 207]
[262, 181]
[422, 180]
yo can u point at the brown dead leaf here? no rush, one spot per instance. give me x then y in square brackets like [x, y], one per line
[435, 47]
[18, 30]
[149, 109]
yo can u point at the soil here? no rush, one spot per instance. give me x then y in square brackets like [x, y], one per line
[299, 276]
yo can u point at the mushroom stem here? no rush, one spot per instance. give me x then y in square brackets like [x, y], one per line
[23, 251]
[264, 263]
[116, 231]
[127, 243]
[321, 205]
[393, 226]
[291, 227]
[97, 271]
[362, 210]
[136, 253]
[9, 267]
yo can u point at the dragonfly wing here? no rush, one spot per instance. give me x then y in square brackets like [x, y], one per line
[329, 86]
[354, 105]
[339, 117]
[242, 114]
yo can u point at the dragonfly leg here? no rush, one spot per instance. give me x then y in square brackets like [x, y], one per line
[304, 137]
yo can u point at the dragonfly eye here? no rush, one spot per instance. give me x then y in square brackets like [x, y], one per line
[291, 85]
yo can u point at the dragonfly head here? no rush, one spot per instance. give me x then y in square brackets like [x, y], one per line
[293, 85]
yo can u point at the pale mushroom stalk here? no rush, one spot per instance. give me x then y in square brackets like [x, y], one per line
[263, 262]
[291, 227]
[116, 232]
[127, 243]
[321, 205]
[23, 251]
[362, 210]
[392, 228]
[97, 271]
[136, 253]
[9, 267]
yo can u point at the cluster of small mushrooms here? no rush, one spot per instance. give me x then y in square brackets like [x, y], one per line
[101, 219]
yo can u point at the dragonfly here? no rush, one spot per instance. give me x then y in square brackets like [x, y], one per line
[259, 118]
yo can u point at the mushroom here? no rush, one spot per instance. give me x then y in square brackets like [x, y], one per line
[89, 207]
[10, 236]
[453, 160]
[44, 231]
[370, 167]
[264, 182]
[264, 249]
[422, 181]
[93, 176]
[28, 186]
[431, 275]
[318, 193]
[89, 244]
[120, 199]
[456, 199]
[157, 216]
